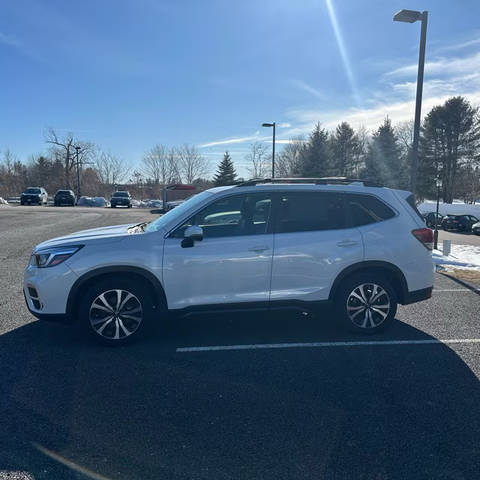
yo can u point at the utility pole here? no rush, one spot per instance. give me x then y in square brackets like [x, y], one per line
[79, 194]
[411, 16]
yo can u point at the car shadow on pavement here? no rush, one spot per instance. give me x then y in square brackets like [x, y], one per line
[69, 409]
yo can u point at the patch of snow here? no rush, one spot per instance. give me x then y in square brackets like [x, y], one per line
[464, 256]
[3, 201]
[456, 208]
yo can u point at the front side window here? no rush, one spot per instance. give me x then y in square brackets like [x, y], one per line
[232, 216]
[310, 211]
[366, 209]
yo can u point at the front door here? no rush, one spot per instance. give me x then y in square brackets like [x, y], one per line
[232, 264]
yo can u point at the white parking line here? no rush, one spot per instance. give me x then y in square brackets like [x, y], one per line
[260, 346]
[455, 290]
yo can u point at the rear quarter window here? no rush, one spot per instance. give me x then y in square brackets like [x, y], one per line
[367, 209]
[411, 201]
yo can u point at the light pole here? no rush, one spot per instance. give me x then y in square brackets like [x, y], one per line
[78, 173]
[438, 182]
[411, 16]
[273, 146]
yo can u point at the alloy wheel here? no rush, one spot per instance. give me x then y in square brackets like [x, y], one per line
[115, 314]
[368, 305]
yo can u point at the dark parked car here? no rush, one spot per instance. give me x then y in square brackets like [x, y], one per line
[64, 197]
[92, 202]
[460, 223]
[34, 195]
[430, 219]
[122, 199]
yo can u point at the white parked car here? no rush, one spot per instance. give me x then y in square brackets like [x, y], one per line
[363, 249]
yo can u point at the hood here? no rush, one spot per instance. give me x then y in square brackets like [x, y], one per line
[106, 234]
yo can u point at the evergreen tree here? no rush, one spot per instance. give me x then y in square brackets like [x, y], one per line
[316, 156]
[345, 148]
[225, 172]
[450, 142]
[384, 163]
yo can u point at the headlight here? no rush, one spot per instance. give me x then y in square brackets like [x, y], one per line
[50, 257]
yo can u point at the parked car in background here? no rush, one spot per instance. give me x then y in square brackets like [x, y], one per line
[92, 202]
[34, 195]
[459, 223]
[361, 249]
[430, 219]
[64, 197]
[476, 228]
[121, 199]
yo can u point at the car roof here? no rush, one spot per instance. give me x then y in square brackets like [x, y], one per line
[275, 187]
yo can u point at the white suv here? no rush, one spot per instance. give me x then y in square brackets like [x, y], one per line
[297, 242]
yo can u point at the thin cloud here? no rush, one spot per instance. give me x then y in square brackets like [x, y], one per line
[9, 40]
[460, 46]
[229, 141]
[441, 66]
[309, 89]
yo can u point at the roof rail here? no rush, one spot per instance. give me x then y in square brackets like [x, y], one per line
[315, 180]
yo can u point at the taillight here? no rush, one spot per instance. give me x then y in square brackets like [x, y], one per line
[425, 236]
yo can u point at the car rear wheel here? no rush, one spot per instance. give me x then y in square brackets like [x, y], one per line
[366, 303]
[115, 311]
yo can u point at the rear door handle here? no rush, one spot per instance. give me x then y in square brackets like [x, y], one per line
[347, 243]
[259, 248]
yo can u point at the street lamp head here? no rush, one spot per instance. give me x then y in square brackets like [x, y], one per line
[268, 124]
[407, 16]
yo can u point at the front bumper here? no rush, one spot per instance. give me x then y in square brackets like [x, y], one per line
[46, 290]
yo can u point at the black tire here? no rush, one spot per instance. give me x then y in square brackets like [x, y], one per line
[138, 306]
[112, 206]
[371, 320]
[129, 206]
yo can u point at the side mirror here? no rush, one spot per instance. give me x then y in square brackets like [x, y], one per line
[191, 235]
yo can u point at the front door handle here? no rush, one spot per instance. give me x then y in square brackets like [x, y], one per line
[347, 243]
[259, 248]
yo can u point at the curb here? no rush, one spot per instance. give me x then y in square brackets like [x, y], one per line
[468, 285]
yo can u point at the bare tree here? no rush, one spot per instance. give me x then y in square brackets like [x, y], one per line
[404, 133]
[63, 149]
[111, 169]
[160, 165]
[191, 164]
[286, 162]
[258, 160]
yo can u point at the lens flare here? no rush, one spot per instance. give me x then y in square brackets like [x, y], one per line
[343, 51]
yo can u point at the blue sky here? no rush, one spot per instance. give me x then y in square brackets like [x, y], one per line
[127, 74]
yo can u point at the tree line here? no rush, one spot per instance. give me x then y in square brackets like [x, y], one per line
[449, 149]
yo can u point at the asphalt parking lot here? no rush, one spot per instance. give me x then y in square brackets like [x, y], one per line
[268, 396]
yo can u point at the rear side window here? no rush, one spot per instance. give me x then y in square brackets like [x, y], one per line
[310, 211]
[366, 209]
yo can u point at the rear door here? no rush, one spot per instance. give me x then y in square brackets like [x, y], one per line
[312, 245]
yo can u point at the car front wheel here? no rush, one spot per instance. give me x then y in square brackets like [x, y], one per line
[366, 303]
[115, 312]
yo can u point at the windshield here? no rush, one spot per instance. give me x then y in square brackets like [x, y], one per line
[177, 212]
[63, 192]
[120, 194]
[32, 190]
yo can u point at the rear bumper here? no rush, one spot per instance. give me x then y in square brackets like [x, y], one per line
[418, 295]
